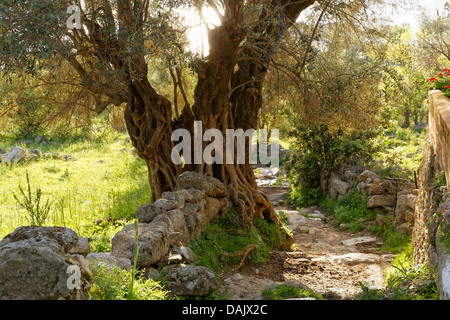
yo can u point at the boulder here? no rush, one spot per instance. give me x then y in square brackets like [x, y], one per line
[385, 200]
[210, 185]
[375, 189]
[189, 280]
[35, 265]
[404, 211]
[337, 184]
[15, 155]
[363, 177]
[147, 212]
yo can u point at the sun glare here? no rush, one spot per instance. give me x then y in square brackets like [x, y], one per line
[197, 27]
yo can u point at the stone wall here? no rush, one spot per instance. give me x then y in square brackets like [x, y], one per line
[439, 128]
[432, 209]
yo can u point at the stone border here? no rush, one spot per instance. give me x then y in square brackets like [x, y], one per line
[439, 128]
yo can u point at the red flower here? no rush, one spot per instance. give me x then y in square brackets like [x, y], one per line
[448, 74]
[447, 87]
[445, 69]
[433, 79]
[440, 75]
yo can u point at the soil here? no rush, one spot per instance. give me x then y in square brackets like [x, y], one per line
[320, 260]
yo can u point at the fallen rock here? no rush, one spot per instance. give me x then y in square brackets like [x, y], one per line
[189, 280]
[15, 155]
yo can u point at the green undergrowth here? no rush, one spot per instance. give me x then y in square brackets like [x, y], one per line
[351, 209]
[285, 291]
[404, 281]
[106, 180]
[226, 234]
[114, 284]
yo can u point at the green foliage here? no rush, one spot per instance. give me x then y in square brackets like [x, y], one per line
[439, 180]
[226, 234]
[350, 209]
[37, 213]
[114, 284]
[368, 293]
[409, 282]
[286, 291]
[404, 281]
[393, 241]
[316, 151]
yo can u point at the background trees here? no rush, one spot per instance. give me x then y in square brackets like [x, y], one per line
[265, 67]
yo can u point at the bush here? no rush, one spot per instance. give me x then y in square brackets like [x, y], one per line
[226, 234]
[317, 151]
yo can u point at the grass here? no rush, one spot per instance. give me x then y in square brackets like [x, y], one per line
[404, 281]
[226, 234]
[104, 181]
[351, 209]
[114, 284]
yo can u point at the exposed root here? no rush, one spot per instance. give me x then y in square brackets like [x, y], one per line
[244, 252]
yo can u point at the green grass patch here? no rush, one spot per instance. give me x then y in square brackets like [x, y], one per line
[114, 284]
[105, 181]
[350, 209]
[286, 291]
[226, 234]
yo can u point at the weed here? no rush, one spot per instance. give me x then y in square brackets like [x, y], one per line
[113, 284]
[37, 213]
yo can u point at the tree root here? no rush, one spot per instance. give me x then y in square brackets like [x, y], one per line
[244, 252]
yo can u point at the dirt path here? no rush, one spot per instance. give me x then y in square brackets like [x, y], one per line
[327, 260]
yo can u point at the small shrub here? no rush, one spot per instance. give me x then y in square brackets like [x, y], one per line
[37, 213]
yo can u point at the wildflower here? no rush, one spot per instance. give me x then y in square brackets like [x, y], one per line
[447, 87]
[440, 75]
[433, 79]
